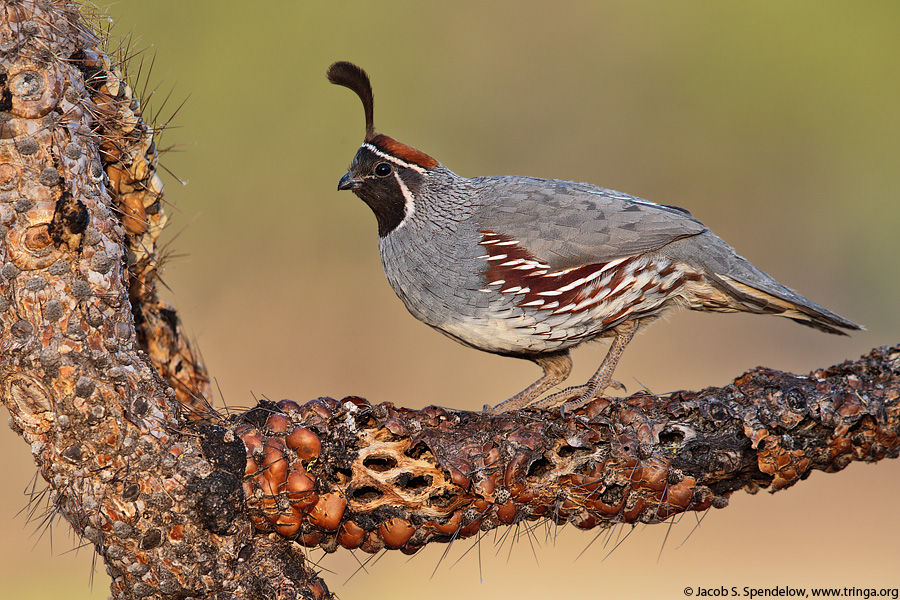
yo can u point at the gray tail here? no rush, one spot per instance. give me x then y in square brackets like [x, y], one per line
[770, 297]
[749, 289]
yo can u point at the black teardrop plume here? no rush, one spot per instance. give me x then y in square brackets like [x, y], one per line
[350, 76]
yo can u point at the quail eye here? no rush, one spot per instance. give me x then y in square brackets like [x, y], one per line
[383, 169]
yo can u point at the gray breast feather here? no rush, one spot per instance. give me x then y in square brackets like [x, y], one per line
[568, 224]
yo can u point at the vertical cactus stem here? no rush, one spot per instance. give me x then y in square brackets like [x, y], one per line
[94, 369]
[129, 158]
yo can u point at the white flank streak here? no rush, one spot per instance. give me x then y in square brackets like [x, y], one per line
[550, 293]
[408, 199]
[534, 303]
[563, 272]
[584, 303]
[622, 285]
[664, 287]
[601, 294]
[512, 263]
[487, 242]
[483, 256]
[643, 279]
[511, 290]
[526, 267]
[564, 308]
[573, 285]
[524, 291]
[498, 257]
[593, 276]
[509, 243]
[612, 263]
[670, 280]
[617, 306]
[486, 290]
[553, 304]
[498, 282]
[393, 159]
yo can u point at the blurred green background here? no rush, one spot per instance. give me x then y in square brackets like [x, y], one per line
[776, 123]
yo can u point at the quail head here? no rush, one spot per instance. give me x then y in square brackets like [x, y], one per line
[530, 268]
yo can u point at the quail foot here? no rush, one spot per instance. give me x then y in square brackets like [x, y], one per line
[530, 268]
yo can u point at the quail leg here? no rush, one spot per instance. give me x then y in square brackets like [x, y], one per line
[556, 366]
[577, 396]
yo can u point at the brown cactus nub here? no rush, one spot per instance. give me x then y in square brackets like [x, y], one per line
[452, 525]
[288, 406]
[300, 489]
[278, 423]
[351, 535]
[396, 532]
[506, 513]
[289, 524]
[304, 442]
[274, 462]
[328, 511]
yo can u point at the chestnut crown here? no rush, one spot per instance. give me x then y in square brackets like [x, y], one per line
[386, 174]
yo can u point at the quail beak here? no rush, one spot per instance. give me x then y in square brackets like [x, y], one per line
[347, 182]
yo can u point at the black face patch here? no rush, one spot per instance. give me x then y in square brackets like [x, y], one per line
[381, 186]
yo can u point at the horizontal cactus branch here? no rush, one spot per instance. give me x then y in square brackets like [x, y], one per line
[180, 500]
[347, 473]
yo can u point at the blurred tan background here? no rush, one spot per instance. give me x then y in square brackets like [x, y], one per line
[776, 123]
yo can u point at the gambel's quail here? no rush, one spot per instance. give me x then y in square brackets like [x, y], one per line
[530, 268]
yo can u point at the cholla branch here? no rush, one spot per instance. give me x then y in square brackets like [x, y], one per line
[348, 473]
[181, 502]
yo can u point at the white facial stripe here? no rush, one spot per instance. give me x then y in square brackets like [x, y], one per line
[393, 159]
[408, 200]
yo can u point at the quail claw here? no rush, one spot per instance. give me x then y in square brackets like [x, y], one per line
[616, 385]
